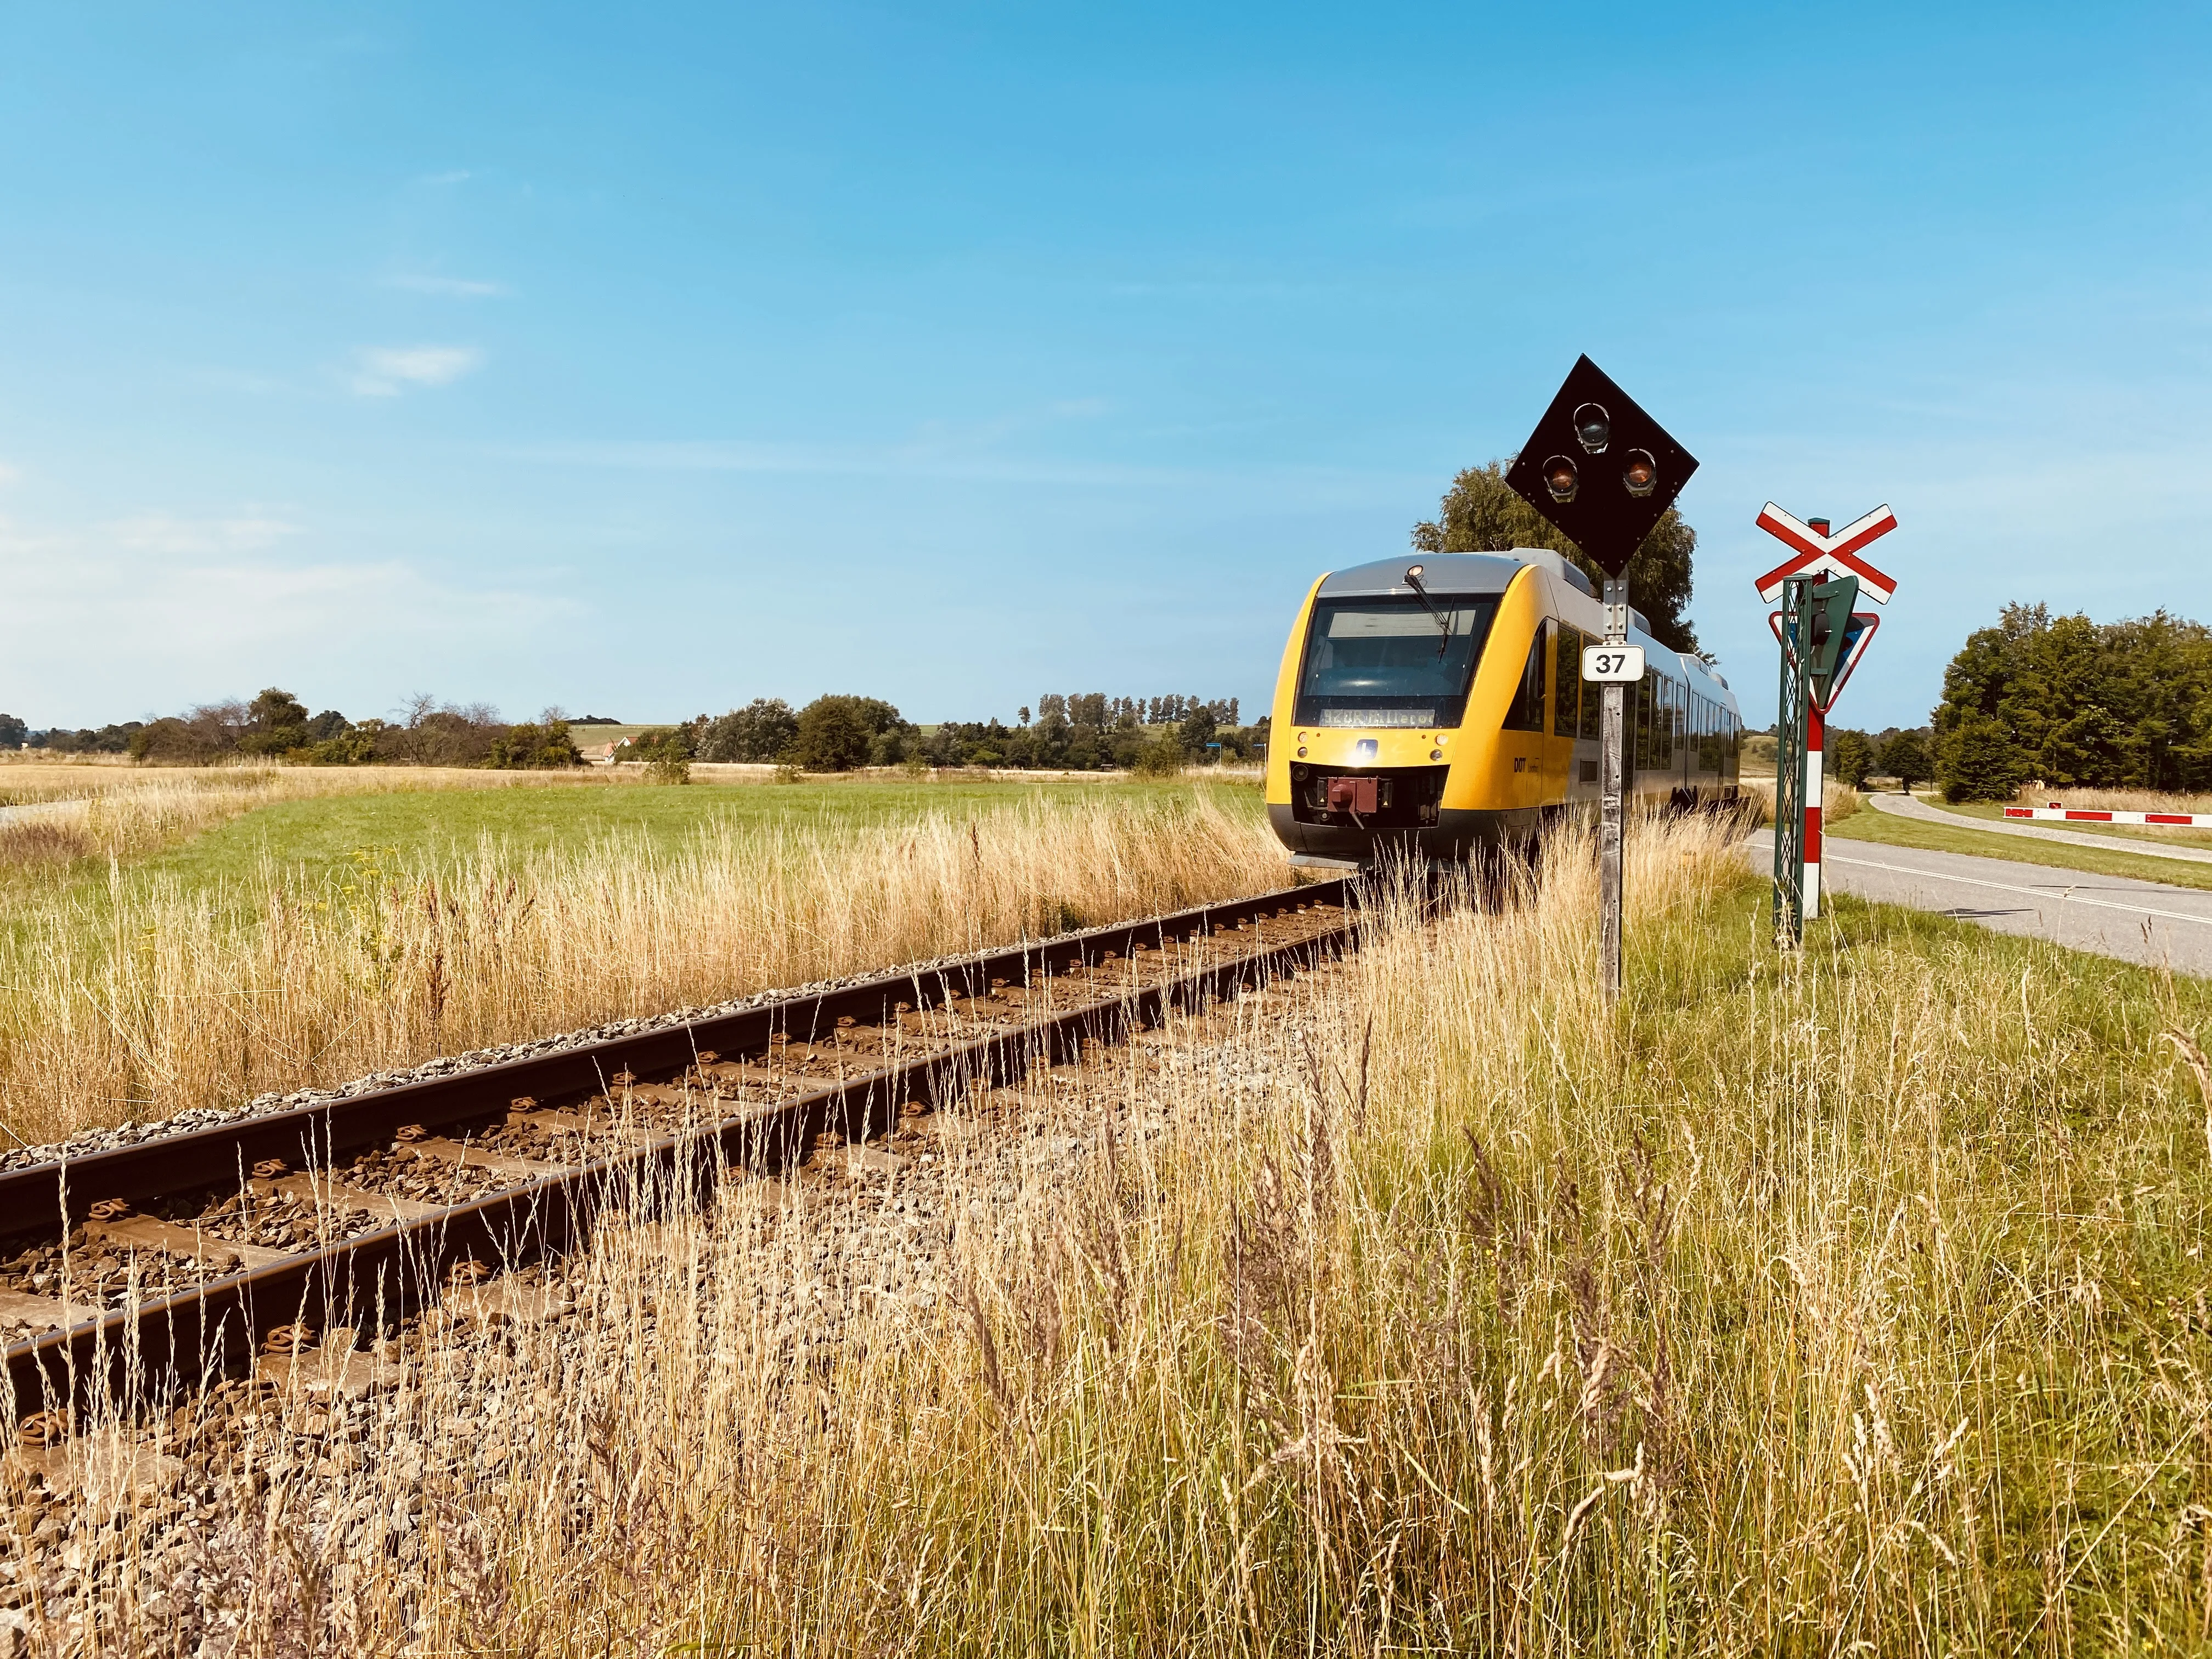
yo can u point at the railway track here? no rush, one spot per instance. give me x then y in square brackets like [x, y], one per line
[132, 1272]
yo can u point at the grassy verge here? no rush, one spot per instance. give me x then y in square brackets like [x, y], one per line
[1991, 811]
[1887, 829]
[1851, 1301]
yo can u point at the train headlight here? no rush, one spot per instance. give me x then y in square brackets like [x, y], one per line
[1642, 476]
[1593, 428]
[1561, 479]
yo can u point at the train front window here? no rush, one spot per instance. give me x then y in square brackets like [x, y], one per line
[1389, 662]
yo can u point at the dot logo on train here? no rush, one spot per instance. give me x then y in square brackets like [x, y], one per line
[1434, 705]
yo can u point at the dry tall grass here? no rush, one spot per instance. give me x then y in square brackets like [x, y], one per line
[1818, 1306]
[1838, 801]
[162, 999]
[1851, 1303]
[2115, 800]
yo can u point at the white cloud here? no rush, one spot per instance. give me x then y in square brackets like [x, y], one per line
[386, 371]
[457, 288]
[9, 475]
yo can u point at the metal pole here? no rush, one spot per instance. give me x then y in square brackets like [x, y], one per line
[1612, 810]
[1791, 704]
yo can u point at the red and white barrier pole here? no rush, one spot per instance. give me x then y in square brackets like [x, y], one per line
[1815, 735]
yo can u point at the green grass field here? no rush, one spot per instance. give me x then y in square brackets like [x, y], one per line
[321, 835]
[1871, 824]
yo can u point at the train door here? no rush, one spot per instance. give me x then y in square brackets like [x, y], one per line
[1566, 782]
[1528, 715]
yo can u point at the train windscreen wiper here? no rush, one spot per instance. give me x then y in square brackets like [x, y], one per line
[1413, 582]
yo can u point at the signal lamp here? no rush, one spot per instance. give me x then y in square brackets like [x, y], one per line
[1643, 473]
[1560, 478]
[1593, 427]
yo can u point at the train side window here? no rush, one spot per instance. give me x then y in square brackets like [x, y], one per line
[1566, 681]
[1593, 698]
[1645, 697]
[1526, 713]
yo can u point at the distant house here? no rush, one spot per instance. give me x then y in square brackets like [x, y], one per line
[604, 754]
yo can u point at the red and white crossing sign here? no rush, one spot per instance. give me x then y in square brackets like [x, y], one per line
[1864, 623]
[1821, 554]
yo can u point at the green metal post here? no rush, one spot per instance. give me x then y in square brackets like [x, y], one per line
[1793, 707]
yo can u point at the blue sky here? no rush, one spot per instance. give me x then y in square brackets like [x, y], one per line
[645, 361]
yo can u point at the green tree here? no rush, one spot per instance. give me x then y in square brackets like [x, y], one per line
[275, 721]
[1196, 731]
[1977, 760]
[1851, 757]
[760, 731]
[1904, 757]
[837, 733]
[2125, 704]
[1480, 514]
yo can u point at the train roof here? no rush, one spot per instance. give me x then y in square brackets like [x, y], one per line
[1450, 573]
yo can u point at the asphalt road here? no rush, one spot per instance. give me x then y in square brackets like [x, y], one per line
[2138, 921]
[1905, 807]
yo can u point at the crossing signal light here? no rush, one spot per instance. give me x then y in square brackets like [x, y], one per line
[1608, 515]
[1828, 627]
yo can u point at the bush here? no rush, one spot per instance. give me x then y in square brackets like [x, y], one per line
[1162, 757]
[174, 742]
[666, 754]
[533, 748]
[354, 748]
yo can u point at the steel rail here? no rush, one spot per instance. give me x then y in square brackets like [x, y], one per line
[395, 1271]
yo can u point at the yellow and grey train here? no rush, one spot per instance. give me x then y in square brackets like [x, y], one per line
[1434, 703]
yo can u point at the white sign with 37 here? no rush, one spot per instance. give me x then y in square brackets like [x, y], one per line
[1602, 663]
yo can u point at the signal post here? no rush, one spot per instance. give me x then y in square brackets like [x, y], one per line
[1822, 639]
[1604, 472]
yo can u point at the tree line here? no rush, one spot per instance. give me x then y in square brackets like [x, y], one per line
[1077, 732]
[1082, 731]
[2061, 701]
